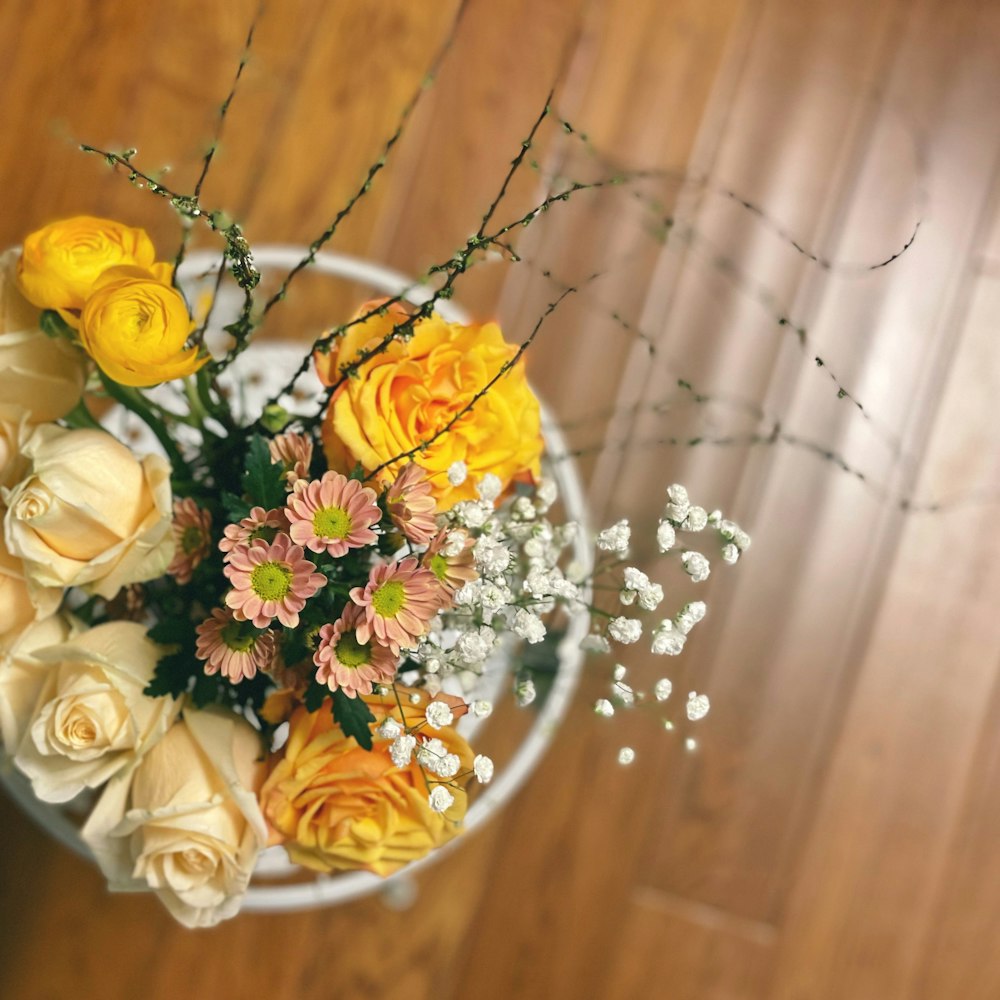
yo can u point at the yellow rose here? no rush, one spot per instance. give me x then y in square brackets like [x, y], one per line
[40, 376]
[88, 512]
[135, 327]
[61, 261]
[186, 823]
[91, 718]
[340, 807]
[411, 390]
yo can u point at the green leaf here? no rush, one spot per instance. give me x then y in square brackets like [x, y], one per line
[315, 695]
[263, 481]
[236, 508]
[53, 325]
[353, 717]
[171, 677]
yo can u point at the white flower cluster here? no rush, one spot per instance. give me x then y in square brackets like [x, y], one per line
[637, 592]
[516, 552]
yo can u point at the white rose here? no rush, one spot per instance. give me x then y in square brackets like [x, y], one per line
[20, 602]
[88, 512]
[91, 718]
[22, 675]
[186, 823]
[40, 375]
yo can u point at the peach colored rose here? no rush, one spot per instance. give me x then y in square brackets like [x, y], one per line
[23, 675]
[21, 601]
[91, 719]
[404, 395]
[336, 806]
[40, 376]
[185, 823]
[88, 512]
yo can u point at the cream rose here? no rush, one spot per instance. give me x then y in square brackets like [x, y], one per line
[185, 823]
[88, 513]
[22, 675]
[91, 718]
[21, 603]
[39, 375]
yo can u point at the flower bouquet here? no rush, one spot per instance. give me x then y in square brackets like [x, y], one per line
[265, 626]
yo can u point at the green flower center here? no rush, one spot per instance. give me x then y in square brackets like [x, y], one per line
[389, 598]
[332, 522]
[352, 653]
[439, 566]
[191, 539]
[232, 635]
[271, 581]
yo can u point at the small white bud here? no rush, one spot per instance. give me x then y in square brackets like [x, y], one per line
[625, 630]
[604, 708]
[482, 768]
[696, 566]
[390, 729]
[438, 714]
[615, 538]
[457, 473]
[697, 706]
[489, 487]
[662, 689]
[440, 799]
[625, 756]
[666, 537]
[481, 709]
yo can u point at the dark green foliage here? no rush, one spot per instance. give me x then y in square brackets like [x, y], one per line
[353, 717]
[263, 481]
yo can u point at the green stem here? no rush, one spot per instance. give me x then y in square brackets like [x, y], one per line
[81, 417]
[134, 401]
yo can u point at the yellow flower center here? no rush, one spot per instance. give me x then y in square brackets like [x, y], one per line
[191, 539]
[271, 581]
[332, 522]
[352, 653]
[232, 635]
[439, 566]
[389, 599]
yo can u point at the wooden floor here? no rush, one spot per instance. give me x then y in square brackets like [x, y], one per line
[835, 834]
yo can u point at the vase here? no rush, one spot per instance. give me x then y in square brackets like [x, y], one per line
[277, 884]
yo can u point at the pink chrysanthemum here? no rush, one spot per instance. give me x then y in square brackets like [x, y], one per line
[399, 600]
[347, 663]
[270, 580]
[192, 538]
[233, 647]
[294, 452]
[261, 523]
[333, 514]
[411, 505]
[449, 557]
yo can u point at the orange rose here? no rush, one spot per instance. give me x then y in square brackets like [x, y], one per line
[338, 807]
[412, 389]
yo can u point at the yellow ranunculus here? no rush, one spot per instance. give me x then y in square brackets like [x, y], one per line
[61, 261]
[404, 395]
[339, 807]
[135, 327]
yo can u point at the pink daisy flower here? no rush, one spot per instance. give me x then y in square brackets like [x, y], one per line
[333, 514]
[270, 580]
[411, 506]
[347, 663]
[233, 647]
[192, 539]
[261, 523]
[398, 600]
[294, 452]
[449, 557]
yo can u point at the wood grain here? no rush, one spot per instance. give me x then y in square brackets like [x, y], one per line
[833, 835]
